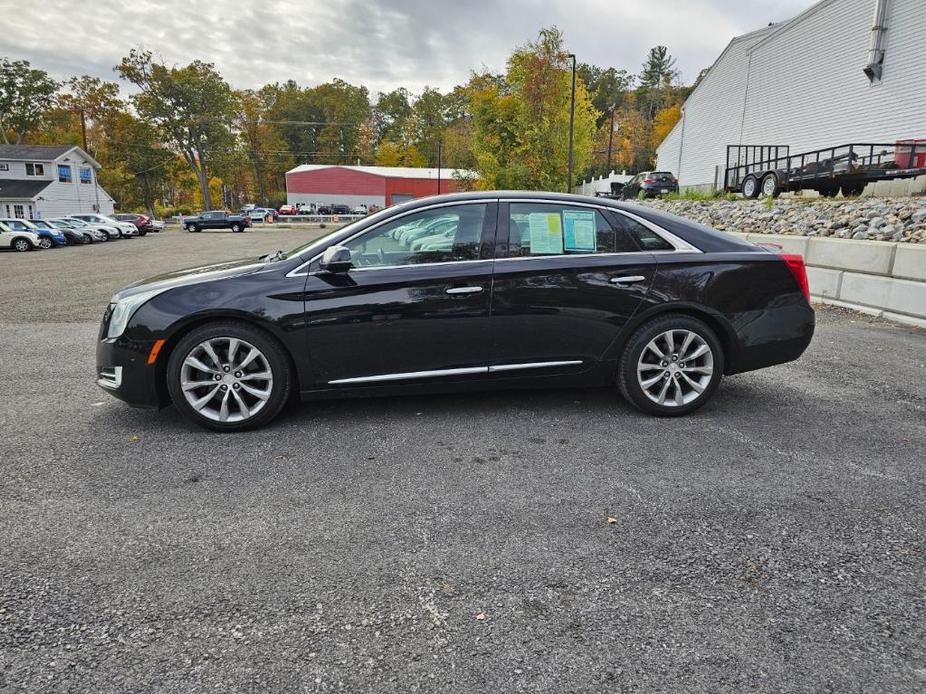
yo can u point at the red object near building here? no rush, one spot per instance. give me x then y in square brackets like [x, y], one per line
[910, 154]
[357, 186]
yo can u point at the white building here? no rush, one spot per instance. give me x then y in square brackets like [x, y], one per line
[41, 181]
[841, 72]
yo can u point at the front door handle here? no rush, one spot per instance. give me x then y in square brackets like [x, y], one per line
[464, 290]
[628, 279]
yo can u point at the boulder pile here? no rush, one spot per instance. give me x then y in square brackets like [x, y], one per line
[879, 219]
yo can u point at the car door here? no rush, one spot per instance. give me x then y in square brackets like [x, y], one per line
[400, 315]
[567, 280]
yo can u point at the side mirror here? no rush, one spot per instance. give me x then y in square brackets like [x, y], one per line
[336, 259]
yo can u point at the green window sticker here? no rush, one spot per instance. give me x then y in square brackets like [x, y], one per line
[580, 232]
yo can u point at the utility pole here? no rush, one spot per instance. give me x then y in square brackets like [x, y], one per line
[438, 166]
[572, 118]
[611, 138]
[83, 130]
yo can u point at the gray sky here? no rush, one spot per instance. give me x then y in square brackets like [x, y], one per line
[381, 45]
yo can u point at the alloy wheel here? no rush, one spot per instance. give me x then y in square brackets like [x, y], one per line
[45, 243]
[226, 379]
[21, 245]
[675, 368]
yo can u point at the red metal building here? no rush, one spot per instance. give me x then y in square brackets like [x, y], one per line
[367, 185]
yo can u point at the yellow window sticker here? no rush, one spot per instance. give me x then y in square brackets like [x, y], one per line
[546, 233]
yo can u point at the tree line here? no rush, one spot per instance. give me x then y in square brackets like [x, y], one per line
[185, 139]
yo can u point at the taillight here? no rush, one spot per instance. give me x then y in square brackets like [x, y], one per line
[795, 264]
[648, 180]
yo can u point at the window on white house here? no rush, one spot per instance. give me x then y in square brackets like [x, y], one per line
[64, 173]
[19, 212]
[35, 169]
[4, 167]
[86, 176]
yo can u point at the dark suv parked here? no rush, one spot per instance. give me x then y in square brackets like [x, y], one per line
[651, 184]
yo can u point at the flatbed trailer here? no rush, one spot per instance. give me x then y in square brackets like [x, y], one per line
[770, 170]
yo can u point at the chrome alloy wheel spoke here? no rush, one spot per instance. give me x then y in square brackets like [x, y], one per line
[226, 379]
[675, 367]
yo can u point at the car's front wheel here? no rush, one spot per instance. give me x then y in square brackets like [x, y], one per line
[671, 366]
[45, 242]
[22, 245]
[236, 228]
[229, 376]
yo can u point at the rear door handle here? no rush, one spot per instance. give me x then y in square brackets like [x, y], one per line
[629, 279]
[464, 290]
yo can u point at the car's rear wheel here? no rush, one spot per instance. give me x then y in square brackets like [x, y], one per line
[229, 376]
[671, 366]
[22, 245]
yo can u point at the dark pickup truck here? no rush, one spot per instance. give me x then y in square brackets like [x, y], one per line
[217, 219]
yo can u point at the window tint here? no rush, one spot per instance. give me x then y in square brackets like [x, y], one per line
[549, 229]
[647, 239]
[440, 235]
[64, 173]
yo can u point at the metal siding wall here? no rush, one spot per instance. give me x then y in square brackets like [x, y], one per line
[713, 116]
[807, 88]
[336, 181]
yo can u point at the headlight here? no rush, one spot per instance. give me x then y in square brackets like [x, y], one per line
[124, 309]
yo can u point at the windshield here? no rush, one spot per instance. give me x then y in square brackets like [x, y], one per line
[345, 230]
[41, 224]
[71, 223]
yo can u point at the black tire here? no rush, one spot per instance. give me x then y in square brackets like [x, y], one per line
[235, 228]
[22, 245]
[278, 362]
[770, 186]
[828, 190]
[45, 243]
[88, 239]
[142, 232]
[627, 378]
[750, 187]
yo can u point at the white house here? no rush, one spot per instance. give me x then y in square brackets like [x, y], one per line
[41, 181]
[841, 72]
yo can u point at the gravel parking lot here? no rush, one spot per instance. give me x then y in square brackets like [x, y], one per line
[553, 541]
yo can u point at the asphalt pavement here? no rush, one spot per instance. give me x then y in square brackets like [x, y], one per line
[525, 541]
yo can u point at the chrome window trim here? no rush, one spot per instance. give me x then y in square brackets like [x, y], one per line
[466, 371]
[297, 271]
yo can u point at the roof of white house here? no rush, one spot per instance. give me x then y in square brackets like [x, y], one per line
[41, 153]
[390, 171]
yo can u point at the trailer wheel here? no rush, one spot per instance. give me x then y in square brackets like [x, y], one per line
[828, 190]
[853, 189]
[750, 187]
[770, 187]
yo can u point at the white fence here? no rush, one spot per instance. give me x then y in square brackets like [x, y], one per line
[602, 184]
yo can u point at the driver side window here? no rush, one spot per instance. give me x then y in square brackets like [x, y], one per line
[439, 235]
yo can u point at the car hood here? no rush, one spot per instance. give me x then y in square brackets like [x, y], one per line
[194, 275]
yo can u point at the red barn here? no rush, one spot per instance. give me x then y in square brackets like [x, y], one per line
[368, 185]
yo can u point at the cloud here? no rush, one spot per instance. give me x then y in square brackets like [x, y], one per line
[382, 45]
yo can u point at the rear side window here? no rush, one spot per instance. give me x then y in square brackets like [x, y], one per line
[537, 229]
[648, 239]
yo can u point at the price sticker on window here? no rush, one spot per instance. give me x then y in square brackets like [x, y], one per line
[546, 233]
[580, 231]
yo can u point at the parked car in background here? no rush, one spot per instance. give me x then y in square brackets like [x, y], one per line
[217, 219]
[263, 214]
[563, 290]
[99, 232]
[358, 209]
[307, 208]
[340, 209]
[126, 229]
[74, 236]
[650, 184]
[157, 225]
[142, 222]
[92, 233]
[18, 240]
[48, 238]
[288, 210]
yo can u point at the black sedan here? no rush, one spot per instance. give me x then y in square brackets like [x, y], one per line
[460, 292]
